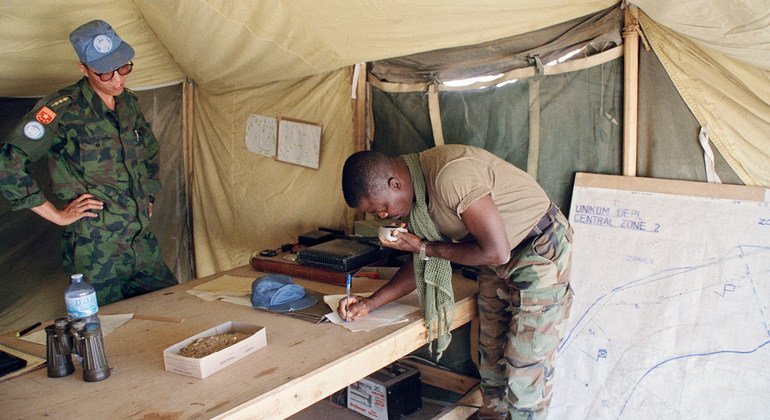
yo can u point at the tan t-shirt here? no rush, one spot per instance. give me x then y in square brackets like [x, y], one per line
[457, 175]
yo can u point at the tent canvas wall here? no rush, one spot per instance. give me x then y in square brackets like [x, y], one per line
[295, 59]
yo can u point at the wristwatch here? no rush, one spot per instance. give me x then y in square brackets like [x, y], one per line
[423, 246]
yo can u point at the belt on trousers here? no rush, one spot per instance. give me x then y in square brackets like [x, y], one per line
[541, 225]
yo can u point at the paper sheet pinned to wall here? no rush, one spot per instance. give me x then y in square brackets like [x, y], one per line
[299, 142]
[261, 135]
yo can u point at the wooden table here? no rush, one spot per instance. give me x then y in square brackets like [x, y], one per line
[302, 363]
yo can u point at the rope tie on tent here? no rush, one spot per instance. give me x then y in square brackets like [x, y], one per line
[634, 26]
[535, 61]
[356, 74]
[708, 157]
[643, 37]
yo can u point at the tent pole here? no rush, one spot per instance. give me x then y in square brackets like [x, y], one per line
[189, 124]
[359, 118]
[189, 92]
[630, 88]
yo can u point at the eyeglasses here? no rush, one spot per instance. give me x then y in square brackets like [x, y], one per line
[123, 70]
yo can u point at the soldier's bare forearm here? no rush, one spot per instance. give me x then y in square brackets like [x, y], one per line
[83, 206]
[49, 212]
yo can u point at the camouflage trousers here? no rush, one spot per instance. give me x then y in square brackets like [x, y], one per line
[523, 310]
[117, 267]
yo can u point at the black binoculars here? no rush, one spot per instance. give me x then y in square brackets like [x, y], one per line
[76, 337]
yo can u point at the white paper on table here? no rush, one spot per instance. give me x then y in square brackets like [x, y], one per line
[224, 287]
[238, 300]
[389, 314]
[109, 324]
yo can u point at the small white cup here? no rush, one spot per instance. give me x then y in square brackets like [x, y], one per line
[386, 233]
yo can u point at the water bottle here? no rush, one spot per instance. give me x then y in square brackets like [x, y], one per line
[80, 300]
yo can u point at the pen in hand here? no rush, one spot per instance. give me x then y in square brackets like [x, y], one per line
[28, 329]
[347, 293]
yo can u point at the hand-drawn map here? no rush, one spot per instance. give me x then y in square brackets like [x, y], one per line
[671, 317]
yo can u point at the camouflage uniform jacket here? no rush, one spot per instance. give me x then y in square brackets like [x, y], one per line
[92, 149]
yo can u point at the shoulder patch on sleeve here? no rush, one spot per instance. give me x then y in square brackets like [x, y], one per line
[52, 108]
[58, 101]
[45, 115]
[34, 130]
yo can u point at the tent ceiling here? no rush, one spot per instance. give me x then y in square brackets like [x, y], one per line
[293, 39]
[737, 29]
[230, 45]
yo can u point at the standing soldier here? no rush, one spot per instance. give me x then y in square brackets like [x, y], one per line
[468, 206]
[104, 165]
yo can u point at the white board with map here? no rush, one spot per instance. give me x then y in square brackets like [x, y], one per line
[671, 317]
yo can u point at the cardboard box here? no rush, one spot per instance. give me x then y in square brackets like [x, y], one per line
[389, 393]
[205, 366]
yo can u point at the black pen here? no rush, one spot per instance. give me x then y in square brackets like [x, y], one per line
[28, 329]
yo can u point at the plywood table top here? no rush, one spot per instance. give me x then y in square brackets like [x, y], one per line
[301, 364]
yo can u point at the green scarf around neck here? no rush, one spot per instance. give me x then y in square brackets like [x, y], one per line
[433, 277]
